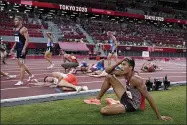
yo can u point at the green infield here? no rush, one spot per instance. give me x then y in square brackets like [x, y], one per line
[74, 111]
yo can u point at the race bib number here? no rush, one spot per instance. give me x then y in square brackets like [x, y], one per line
[16, 38]
[129, 94]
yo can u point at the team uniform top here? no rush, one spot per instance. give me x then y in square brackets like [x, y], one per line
[20, 40]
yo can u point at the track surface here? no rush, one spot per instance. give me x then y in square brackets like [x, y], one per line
[176, 71]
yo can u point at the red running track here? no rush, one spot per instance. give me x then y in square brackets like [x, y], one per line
[176, 71]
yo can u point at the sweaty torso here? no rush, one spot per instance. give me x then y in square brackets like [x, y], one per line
[133, 93]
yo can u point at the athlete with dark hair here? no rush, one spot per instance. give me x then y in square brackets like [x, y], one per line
[131, 96]
[58, 79]
[21, 43]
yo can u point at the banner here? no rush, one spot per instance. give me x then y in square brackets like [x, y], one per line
[148, 17]
[73, 8]
[98, 11]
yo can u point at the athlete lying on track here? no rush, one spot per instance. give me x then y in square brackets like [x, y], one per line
[85, 68]
[103, 73]
[131, 95]
[65, 81]
[149, 66]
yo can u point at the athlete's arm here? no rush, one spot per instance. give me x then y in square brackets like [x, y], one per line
[110, 69]
[26, 35]
[118, 73]
[140, 85]
[13, 47]
[41, 84]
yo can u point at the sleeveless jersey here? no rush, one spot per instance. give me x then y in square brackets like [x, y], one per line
[134, 95]
[19, 39]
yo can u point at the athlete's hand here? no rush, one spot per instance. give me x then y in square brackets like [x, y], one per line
[23, 52]
[165, 118]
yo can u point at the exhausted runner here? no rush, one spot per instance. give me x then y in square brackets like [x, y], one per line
[130, 96]
[150, 67]
[70, 62]
[65, 81]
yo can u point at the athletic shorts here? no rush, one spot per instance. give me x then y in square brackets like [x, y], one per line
[128, 106]
[71, 79]
[19, 54]
[50, 49]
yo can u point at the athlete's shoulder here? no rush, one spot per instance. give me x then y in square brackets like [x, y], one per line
[25, 28]
[137, 80]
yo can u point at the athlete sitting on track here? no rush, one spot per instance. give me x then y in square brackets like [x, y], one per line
[149, 66]
[66, 81]
[70, 61]
[130, 95]
[7, 76]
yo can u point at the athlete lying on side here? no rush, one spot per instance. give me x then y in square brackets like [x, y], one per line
[150, 67]
[85, 68]
[103, 73]
[65, 81]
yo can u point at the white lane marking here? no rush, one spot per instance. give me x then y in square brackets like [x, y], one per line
[83, 83]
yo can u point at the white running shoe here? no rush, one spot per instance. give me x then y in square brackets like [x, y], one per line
[51, 66]
[30, 78]
[78, 88]
[11, 76]
[84, 88]
[19, 83]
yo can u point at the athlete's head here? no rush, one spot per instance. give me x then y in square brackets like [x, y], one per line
[128, 65]
[48, 79]
[18, 20]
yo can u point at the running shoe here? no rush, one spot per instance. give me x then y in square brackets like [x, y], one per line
[19, 83]
[11, 76]
[51, 66]
[84, 88]
[78, 88]
[93, 101]
[30, 78]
